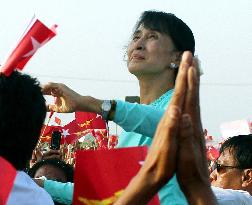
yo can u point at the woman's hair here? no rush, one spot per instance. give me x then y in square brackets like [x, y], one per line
[170, 25]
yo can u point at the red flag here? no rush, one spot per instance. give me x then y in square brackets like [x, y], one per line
[46, 133]
[89, 120]
[36, 37]
[57, 120]
[7, 177]
[212, 153]
[101, 138]
[71, 132]
[102, 175]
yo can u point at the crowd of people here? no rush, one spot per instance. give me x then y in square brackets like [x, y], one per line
[167, 119]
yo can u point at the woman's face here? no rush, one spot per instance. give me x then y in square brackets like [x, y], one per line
[150, 52]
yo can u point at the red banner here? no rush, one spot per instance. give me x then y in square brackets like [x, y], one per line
[7, 177]
[102, 175]
[212, 153]
[89, 120]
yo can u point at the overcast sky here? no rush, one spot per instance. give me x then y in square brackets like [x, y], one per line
[88, 52]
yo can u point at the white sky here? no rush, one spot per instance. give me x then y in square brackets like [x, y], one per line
[87, 54]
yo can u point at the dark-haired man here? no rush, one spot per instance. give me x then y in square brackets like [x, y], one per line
[233, 171]
[22, 113]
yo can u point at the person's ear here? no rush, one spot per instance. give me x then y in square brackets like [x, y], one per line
[177, 57]
[247, 178]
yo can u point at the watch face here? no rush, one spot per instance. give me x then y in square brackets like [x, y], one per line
[106, 105]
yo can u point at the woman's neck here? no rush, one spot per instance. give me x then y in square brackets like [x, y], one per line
[152, 87]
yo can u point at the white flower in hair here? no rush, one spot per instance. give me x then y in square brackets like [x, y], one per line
[198, 65]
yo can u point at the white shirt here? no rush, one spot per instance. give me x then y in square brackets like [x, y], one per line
[232, 197]
[26, 192]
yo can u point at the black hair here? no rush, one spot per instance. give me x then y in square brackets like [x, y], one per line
[241, 148]
[169, 24]
[22, 113]
[66, 168]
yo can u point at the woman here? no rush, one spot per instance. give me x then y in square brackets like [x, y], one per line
[154, 54]
[153, 57]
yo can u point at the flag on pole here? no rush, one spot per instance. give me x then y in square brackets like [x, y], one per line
[37, 36]
[57, 120]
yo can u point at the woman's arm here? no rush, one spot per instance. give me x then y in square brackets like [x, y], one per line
[60, 192]
[133, 117]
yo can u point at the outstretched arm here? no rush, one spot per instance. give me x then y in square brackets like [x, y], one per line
[131, 117]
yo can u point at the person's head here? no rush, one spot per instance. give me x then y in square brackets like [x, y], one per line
[53, 169]
[22, 113]
[158, 40]
[234, 166]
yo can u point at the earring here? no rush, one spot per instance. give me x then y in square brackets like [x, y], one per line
[173, 66]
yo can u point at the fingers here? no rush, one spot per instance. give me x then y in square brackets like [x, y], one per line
[186, 133]
[53, 108]
[185, 141]
[181, 80]
[165, 136]
[52, 154]
[191, 168]
[192, 95]
[192, 105]
[170, 121]
[38, 154]
[54, 89]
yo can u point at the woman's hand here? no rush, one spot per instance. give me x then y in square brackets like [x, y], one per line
[66, 101]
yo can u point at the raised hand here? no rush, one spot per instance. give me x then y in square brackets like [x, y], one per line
[192, 171]
[67, 100]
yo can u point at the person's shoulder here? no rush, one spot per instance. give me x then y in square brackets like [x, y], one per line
[26, 191]
[231, 197]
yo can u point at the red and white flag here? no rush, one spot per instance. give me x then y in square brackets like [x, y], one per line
[57, 120]
[70, 132]
[37, 36]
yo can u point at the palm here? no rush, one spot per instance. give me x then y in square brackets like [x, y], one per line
[66, 99]
[64, 105]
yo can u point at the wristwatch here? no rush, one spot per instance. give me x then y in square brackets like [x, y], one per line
[107, 107]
